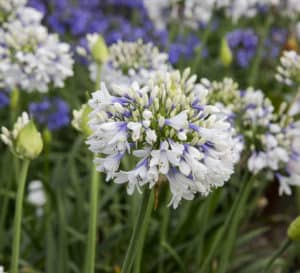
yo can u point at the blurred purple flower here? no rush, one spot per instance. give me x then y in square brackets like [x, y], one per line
[51, 112]
[243, 43]
[4, 99]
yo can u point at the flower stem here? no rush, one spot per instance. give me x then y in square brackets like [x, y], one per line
[138, 232]
[259, 54]
[18, 217]
[234, 226]
[139, 249]
[92, 233]
[285, 245]
[219, 236]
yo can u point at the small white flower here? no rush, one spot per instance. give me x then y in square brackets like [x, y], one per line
[36, 194]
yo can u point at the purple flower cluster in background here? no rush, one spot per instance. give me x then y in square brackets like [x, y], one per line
[243, 43]
[51, 112]
[275, 42]
[4, 99]
[115, 20]
[183, 47]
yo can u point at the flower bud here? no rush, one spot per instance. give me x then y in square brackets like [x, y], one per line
[29, 143]
[294, 230]
[225, 53]
[99, 50]
[80, 120]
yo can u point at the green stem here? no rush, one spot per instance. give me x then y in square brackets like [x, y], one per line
[18, 217]
[92, 233]
[140, 247]
[259, 54]
[163, 232]
[285, 245]
[199, 50]
[219, 236]
[137, 233]
[234, 226]
[98, 76]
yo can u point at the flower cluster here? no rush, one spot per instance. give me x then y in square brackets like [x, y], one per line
[289, 70]
[130, 61]
[53, 113]
[167, 126]
[243, 43]
[270, 143]
[31, 58]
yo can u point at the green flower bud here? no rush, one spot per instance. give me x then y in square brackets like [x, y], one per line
[29, 143]
[225, 53]
[99, 50]
[294, 230]
[81, 118]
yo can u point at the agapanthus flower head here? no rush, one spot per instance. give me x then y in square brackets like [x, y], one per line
[189, 12]
[1, 269]
[288, 72]
[169, 129]
[131, 61]
[243, 44]
[252, 115]
[54, 113]
[31, 58]
[24, 140]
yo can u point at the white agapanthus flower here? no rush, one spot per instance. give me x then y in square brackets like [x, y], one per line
[288, 72]
[10, 6]
[188, 12]
[30, 58]
[1, 269]
[167, 127]
[36, 196]
[252, 115]
[131, 61]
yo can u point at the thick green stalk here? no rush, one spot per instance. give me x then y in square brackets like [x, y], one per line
[92, 233]
[234, 226]
[285, 245]
[137, 233]
[140, 247]
[18, 218]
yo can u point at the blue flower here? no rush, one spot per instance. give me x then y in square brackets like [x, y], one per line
[4, 100]
[243, 43]
[183, 47]
[51, 112]
[275, 42]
